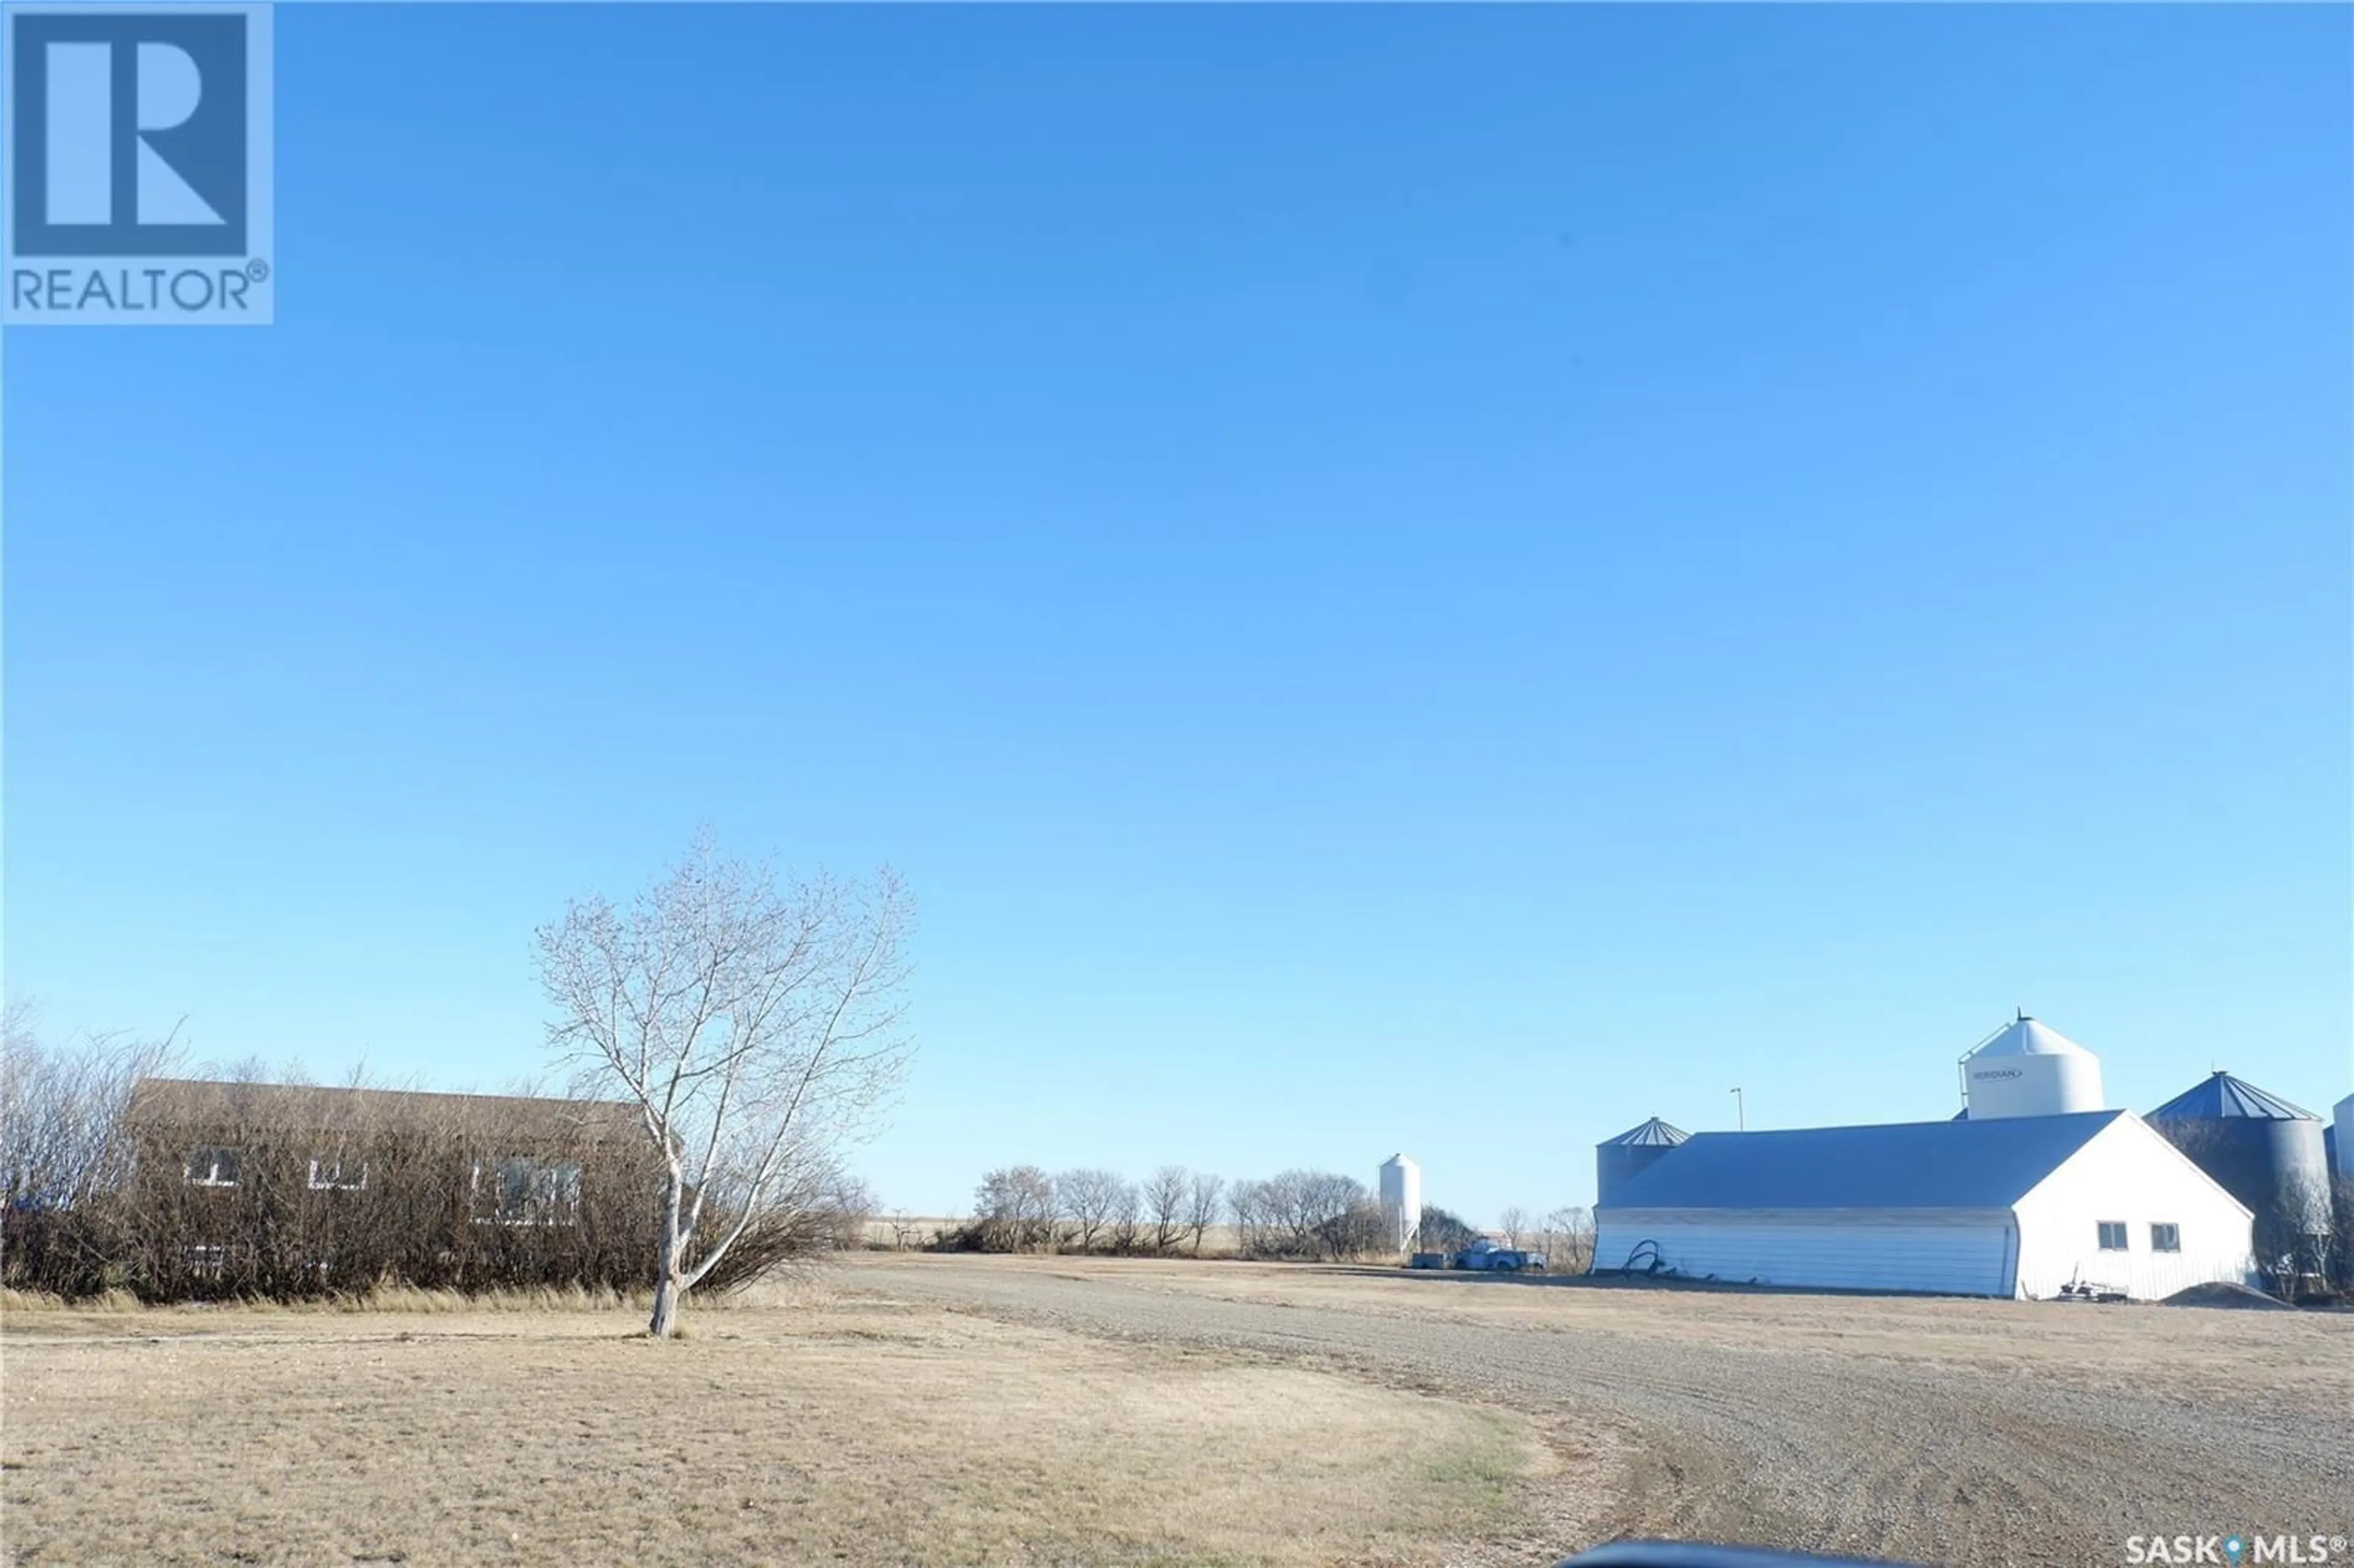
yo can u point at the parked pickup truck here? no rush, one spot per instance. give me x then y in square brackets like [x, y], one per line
[1494, 1257]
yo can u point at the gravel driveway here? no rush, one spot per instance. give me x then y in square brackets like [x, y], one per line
[1754, 1438]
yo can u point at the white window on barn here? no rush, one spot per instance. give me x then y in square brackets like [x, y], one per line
[212, 1166]
[2113, 1235]
[2164, 1238]
[337, 1173]
[522, 1191]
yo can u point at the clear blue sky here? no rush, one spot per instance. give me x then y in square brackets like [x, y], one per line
[1425, 579]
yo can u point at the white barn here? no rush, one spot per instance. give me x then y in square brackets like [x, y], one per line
[2013, 1206]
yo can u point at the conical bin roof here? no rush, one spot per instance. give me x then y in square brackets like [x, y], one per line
[2222, 1095]
[1654, 1132]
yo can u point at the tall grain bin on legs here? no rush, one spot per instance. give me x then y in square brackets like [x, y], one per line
[1400, 1189]
[2027, 1068]
[2265, 1153]
[1633, 1151]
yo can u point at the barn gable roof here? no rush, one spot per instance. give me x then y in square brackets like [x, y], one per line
[198, 1104]
[1990, 1163]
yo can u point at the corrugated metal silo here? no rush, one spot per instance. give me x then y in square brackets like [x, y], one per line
[1620, 1159]
[2259, 1147]
[1400, 1188]
[2345, 1115]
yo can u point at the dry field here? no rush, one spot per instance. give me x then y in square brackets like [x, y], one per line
[1940, 1431]
[809, 1427]
[952, 1410]
[2293, 1360]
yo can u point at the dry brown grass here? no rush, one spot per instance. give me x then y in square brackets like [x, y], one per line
[795, 1427]
[20, 1301]
[26, 1309]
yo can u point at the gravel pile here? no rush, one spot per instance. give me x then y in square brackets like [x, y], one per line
[2225, 1295]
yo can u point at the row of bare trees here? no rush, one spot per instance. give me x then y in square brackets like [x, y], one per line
[1307, 1213]
[1294, 1213]
[116, 1177]
[223, 1196]
[2303, 1238]
[1022, 1208]
[1297, 1214]
[1564, 1235]
[2337, 1261]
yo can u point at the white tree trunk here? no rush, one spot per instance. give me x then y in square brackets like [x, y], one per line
[668, 1285]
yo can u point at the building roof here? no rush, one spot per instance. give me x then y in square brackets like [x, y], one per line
[204, 1103]
[1654, 1132]
[2223, 1095]
[1984, 1164]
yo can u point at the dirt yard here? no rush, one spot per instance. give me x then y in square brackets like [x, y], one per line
[1941, 1431]
[813, 1428]
[948, 1411]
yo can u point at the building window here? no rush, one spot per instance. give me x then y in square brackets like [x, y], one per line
[212, 1167]
[206, 1261]
[2113, 1235]
[2166, 1238]
[335, 1173]
[526, 1192]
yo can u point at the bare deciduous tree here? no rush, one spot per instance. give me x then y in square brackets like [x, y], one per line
[1444, 1231]
[1089, 1199]
[1568, 1236]
[756, 1027]
[849, 1211]
[2339, 1256]
[1514, 1222]
[1164, 1200]
[1014, 1209]
[1127, 1218]
[61, 1109]
[1305, 1213]
[1202, 1199]
[1316, 1202]
[2291, 1235]
[1252, 1209]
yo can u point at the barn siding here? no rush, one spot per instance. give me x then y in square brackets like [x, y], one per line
[1963, 1251]
[2133, 1175]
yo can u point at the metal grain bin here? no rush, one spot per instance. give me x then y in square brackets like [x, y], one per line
[1620, 1159]
[2259, 1147]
